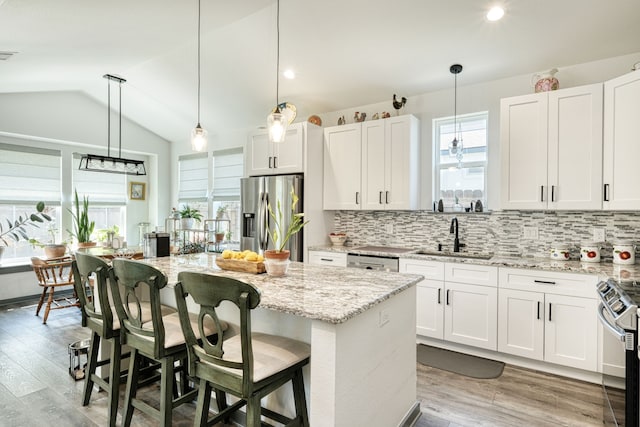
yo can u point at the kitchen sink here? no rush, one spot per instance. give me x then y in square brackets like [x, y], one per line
[453, 254]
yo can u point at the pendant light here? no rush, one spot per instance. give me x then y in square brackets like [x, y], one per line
[198, 134]
[276, 121]
[108, 164]
[455, 146]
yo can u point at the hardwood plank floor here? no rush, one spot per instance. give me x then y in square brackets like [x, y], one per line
[36, 388]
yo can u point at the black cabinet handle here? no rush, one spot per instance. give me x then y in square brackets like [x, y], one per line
[386, 197]
[542, 193]
[549, 312]
[606, 192]
[270, 158]
[448, 296]
[380, 198]
[357, 197]
[439, 300]
[538, 317]
[553, 190]
[275, 162]
[546, 282]
[326, 259]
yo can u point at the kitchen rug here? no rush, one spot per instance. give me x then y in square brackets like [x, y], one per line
[459, 363]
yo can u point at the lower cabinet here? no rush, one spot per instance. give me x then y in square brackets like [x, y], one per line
[336, 259]
[470, 315]
[540, 317]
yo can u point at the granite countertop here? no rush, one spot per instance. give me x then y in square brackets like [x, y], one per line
[604, 270]
[329, 294]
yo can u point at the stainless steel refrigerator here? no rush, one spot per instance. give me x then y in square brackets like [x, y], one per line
[257, 193]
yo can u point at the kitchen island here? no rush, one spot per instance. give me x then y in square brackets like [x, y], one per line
[361, 327]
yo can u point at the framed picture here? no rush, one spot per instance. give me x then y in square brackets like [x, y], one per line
[137, 190]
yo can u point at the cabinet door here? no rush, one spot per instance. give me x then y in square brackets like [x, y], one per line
[430, 309]
[523, 144]
[470, 315]
[575, 148]
[571, 331]
[621, 148]
[332, 259]
[521, 323]
[342, 157]
[289, 154]
[402, 181]
[373, 165]
[259, 157]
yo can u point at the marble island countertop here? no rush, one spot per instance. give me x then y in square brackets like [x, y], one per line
[329, 294]
[604, 270]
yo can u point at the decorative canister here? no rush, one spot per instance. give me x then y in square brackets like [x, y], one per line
[545, 81]
[560, 252]
[624, 253]
[590, 252]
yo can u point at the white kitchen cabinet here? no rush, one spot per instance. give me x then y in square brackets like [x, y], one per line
[548, 316]
[621, 148]
[334, 259]
[390, 159]
[267, 158]
[429, 294]
[372, 165]
[342, 167]
[551, 146]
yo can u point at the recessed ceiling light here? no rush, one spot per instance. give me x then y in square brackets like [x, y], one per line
[290, 74]
[495, 14]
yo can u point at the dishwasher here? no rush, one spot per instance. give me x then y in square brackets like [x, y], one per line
[373, 262]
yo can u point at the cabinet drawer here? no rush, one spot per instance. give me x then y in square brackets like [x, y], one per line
[551, 282]
[328, 258]
[472, 274]
[432, 270]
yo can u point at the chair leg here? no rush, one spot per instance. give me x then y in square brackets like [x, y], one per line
[91, 367]
[202, 408]
[300, 399]
[48, 307]
[132, 386]
[221, 400]
[253, 411]
[167, 382]
[44, 293]
[114, 380]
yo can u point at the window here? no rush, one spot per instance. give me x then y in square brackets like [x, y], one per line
[107, 194]
[193, 186]
[462, 180]
[29, 175]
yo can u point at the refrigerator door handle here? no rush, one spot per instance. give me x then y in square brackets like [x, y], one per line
[262, 222]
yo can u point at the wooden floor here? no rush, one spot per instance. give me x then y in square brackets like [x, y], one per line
[37, 390]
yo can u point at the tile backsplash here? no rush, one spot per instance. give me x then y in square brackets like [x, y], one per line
[498, 232]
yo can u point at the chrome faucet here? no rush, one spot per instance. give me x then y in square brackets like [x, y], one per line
[454, 229]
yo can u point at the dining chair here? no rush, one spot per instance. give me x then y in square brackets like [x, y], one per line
[248, 365]
[159, 339]
[52, 275]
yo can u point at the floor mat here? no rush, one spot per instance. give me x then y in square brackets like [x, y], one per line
[459, 363]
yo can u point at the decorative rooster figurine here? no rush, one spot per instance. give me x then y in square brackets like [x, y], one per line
[398, 104]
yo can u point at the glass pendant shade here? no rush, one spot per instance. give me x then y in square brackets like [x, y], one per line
[199, 138]
[277, 124]
[455, 147]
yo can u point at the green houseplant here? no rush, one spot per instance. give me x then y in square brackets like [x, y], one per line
[17, 230]
[51, 248]
[82, 227]
[189, 216]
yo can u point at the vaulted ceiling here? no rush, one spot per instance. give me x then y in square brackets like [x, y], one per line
[346, 52]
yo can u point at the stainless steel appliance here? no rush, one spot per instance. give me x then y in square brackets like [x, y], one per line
[618, 313]
[155, 245]
[371, 262]
[256, 195]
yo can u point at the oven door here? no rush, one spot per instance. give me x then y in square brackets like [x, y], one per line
[613, 369]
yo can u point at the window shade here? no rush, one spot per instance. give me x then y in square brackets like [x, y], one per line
[227, 171]
[29, 174]
[101, 188]
[194, 177]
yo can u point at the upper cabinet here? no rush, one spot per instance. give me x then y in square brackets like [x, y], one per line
[372, 165]
[621, 147]
[551, 146]
[268, 158]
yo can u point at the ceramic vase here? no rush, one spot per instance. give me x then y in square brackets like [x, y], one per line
[545, 81]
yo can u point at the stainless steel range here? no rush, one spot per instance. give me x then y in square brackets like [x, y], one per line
[618, 313]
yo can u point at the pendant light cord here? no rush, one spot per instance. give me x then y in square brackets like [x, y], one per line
[199, 19]
[455, 104]
[119, 119]
[277, 52]
[109, 119]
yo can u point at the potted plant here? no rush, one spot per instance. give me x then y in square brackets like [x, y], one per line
[221, 212]
[51, 248]
[18, 229]
[189, 217]
[277, 259]
[82, 227]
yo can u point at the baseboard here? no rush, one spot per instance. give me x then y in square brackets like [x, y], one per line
[412, 416]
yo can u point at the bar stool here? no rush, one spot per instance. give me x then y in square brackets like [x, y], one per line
[248, 365]
[159, 339]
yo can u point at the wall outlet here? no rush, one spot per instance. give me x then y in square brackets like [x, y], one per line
[384, 318]
[389, 228]
[530, 233]
[599, 235]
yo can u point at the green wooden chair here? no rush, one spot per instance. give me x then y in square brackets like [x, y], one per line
[248, 365]
[159, 339]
